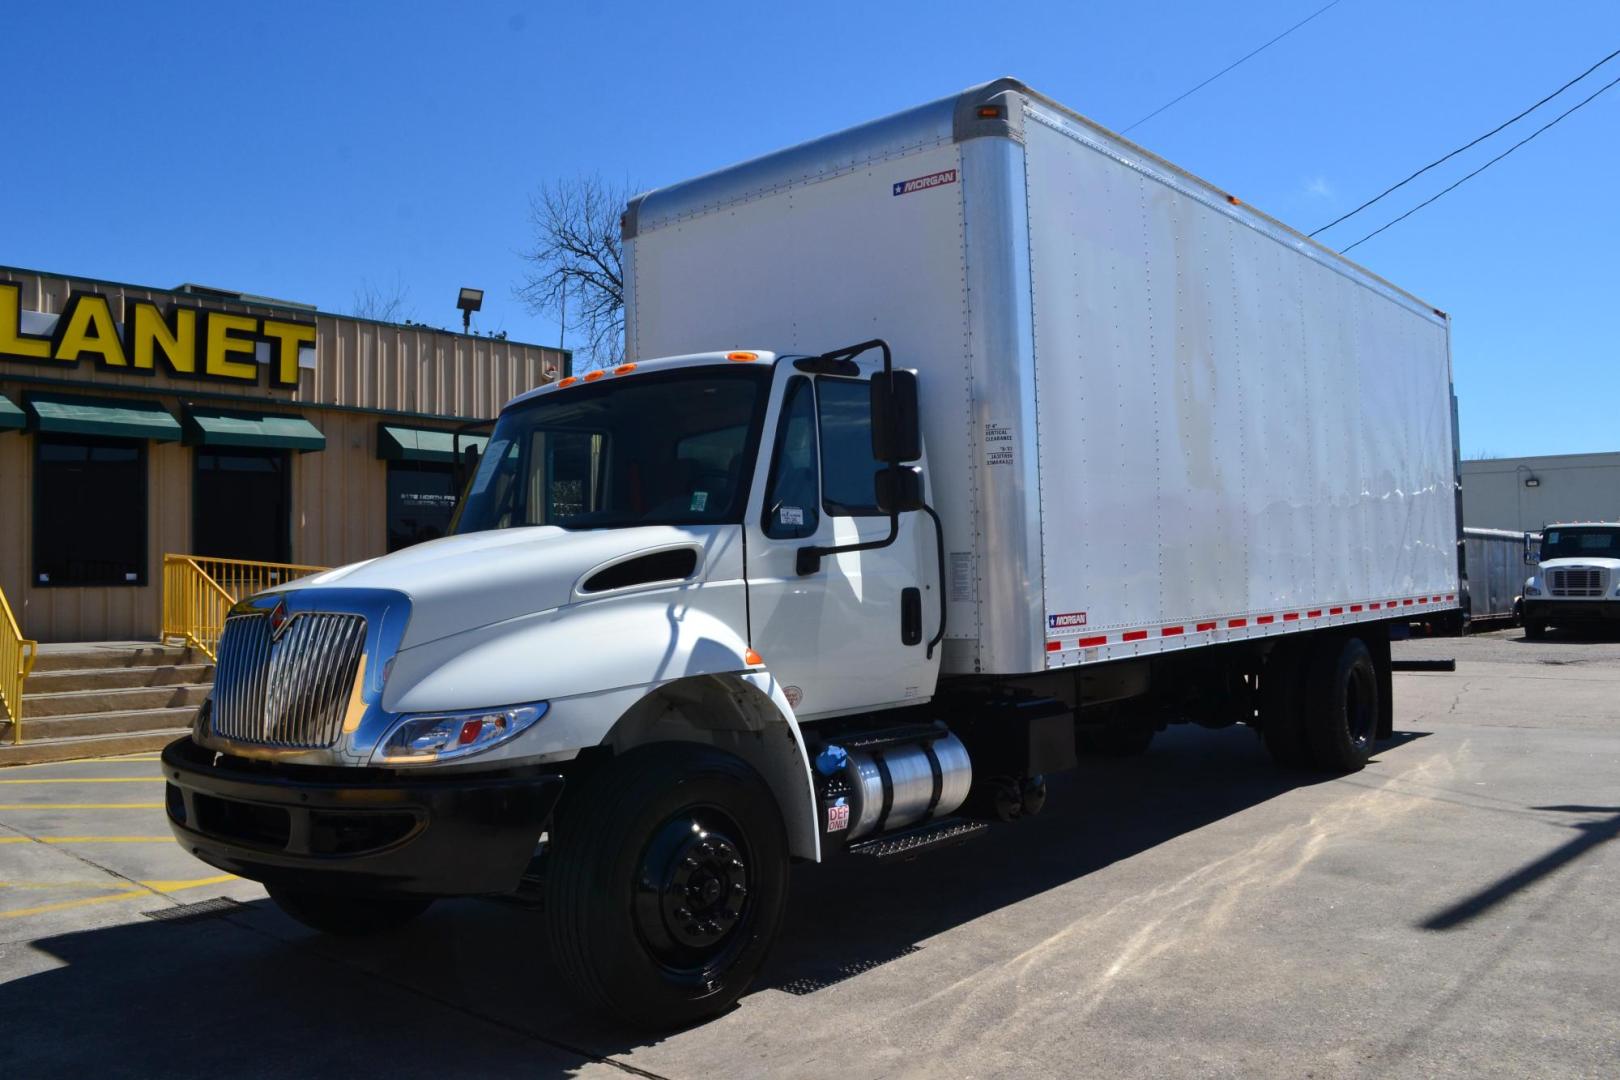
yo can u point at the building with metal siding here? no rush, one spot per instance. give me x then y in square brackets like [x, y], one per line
[207, 434]
[1525, 493]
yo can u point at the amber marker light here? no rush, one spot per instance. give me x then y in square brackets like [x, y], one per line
[742, 357]
[592, 376]
[753, 659]
[570, 381]
[989, 112]
[624, 369]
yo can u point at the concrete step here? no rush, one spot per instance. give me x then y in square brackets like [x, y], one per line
[114, 654]
[84, 746]
[76, 725]
[116, 678]
[130, 699]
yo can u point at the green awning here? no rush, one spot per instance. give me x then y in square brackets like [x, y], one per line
[396, 443]
[224, 427]
[11, 417]
[70, 414]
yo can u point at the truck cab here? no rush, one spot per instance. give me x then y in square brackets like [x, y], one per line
[1576, 579]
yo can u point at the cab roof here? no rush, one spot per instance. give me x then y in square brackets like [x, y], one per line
[640, 367]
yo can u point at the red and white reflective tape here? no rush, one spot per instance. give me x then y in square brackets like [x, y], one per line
[1126, 637]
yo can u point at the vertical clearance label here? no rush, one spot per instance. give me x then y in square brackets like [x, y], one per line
[923, 183]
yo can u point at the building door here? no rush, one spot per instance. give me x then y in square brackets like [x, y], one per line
[421, 501]
[241, 505]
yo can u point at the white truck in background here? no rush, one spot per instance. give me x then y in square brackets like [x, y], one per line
[1577, 577]
[1113, 450]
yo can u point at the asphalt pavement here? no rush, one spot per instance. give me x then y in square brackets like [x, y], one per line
[1449, 911]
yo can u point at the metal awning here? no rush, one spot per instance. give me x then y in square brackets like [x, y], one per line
[395, 443]
[228, 427]
[70, 414]
[11, 417]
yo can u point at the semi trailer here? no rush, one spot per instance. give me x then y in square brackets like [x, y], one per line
[946, 448]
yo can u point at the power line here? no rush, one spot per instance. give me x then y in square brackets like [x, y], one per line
[1465, 146]
[1485, 166]
[1229, 67]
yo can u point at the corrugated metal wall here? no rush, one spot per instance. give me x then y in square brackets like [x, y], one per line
[359, 364]
[413, 377]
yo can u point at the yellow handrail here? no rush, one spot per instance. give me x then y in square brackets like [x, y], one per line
[198, 592]
[17, 655]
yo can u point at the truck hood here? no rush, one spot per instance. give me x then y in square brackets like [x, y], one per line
[460, 583]
[1564, 564]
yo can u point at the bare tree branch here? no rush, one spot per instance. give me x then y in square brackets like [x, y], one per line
[575, 271]
[389, 304]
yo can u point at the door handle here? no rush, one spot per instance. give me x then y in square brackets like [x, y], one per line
[911, 616]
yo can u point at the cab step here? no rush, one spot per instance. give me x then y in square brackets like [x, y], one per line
[910, 842]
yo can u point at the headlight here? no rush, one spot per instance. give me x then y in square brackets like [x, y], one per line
[1531, 588]
[416, 740]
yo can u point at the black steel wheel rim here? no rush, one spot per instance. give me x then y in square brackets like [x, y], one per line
[692, 904]
[1360, 697]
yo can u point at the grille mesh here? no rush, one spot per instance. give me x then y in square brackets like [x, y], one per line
[289, 691]
[1577, 581]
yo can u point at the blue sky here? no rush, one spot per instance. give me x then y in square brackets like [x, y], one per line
[305, 150]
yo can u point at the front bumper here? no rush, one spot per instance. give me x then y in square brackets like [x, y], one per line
[1561, 612]
[356, 829]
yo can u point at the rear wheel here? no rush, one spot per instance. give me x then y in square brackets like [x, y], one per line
[667, 882]
[1342, 705]
[346, 915]
[1282, 722]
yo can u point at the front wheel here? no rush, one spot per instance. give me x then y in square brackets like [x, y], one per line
[667, 882]
[346, 915]
[1535, 631]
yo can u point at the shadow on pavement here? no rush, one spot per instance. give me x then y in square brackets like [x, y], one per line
[469, 990]
[1591, 834]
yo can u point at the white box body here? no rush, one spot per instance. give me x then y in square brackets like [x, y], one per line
[1155, 418]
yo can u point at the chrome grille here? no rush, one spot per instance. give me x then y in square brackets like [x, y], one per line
[1576, 581]
[290, 690]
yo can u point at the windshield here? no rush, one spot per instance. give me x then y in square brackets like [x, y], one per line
[1581, 543]
[674, 448]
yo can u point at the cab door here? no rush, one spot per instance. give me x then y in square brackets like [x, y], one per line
[853, 633]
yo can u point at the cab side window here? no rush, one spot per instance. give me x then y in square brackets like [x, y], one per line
[848, 487]
[791, 496]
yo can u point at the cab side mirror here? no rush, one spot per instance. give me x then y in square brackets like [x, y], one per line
[1529, 549]
[900, 489]
[467, 467]
[896, 422]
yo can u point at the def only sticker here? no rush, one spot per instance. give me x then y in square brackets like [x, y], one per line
[924, 183]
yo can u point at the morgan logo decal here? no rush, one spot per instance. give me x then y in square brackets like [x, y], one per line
[923, 183]
[1066, 621]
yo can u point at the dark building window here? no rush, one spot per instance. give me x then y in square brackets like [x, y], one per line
[240, 502]
[421, 501]
[89, 511]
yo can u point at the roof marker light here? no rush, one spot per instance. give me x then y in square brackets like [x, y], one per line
[624, 369]
[742, 357]
[570, 381]
[592, 376]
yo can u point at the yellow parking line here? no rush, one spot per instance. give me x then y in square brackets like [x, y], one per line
[148, 888]
[87, 840]
[86, 761]
[89, 780]
[81, 806]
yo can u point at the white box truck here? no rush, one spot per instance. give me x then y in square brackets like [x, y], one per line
[1113, 451]
[1576, 579]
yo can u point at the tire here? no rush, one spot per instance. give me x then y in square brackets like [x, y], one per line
[346, 915]
[1341, 705]
[1535, 631]
[666, 886]
[1282, 721]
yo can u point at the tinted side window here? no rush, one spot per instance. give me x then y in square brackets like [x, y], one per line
[790, 496]
[847, 463]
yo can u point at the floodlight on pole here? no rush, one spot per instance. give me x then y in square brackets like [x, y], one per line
[469, 301]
